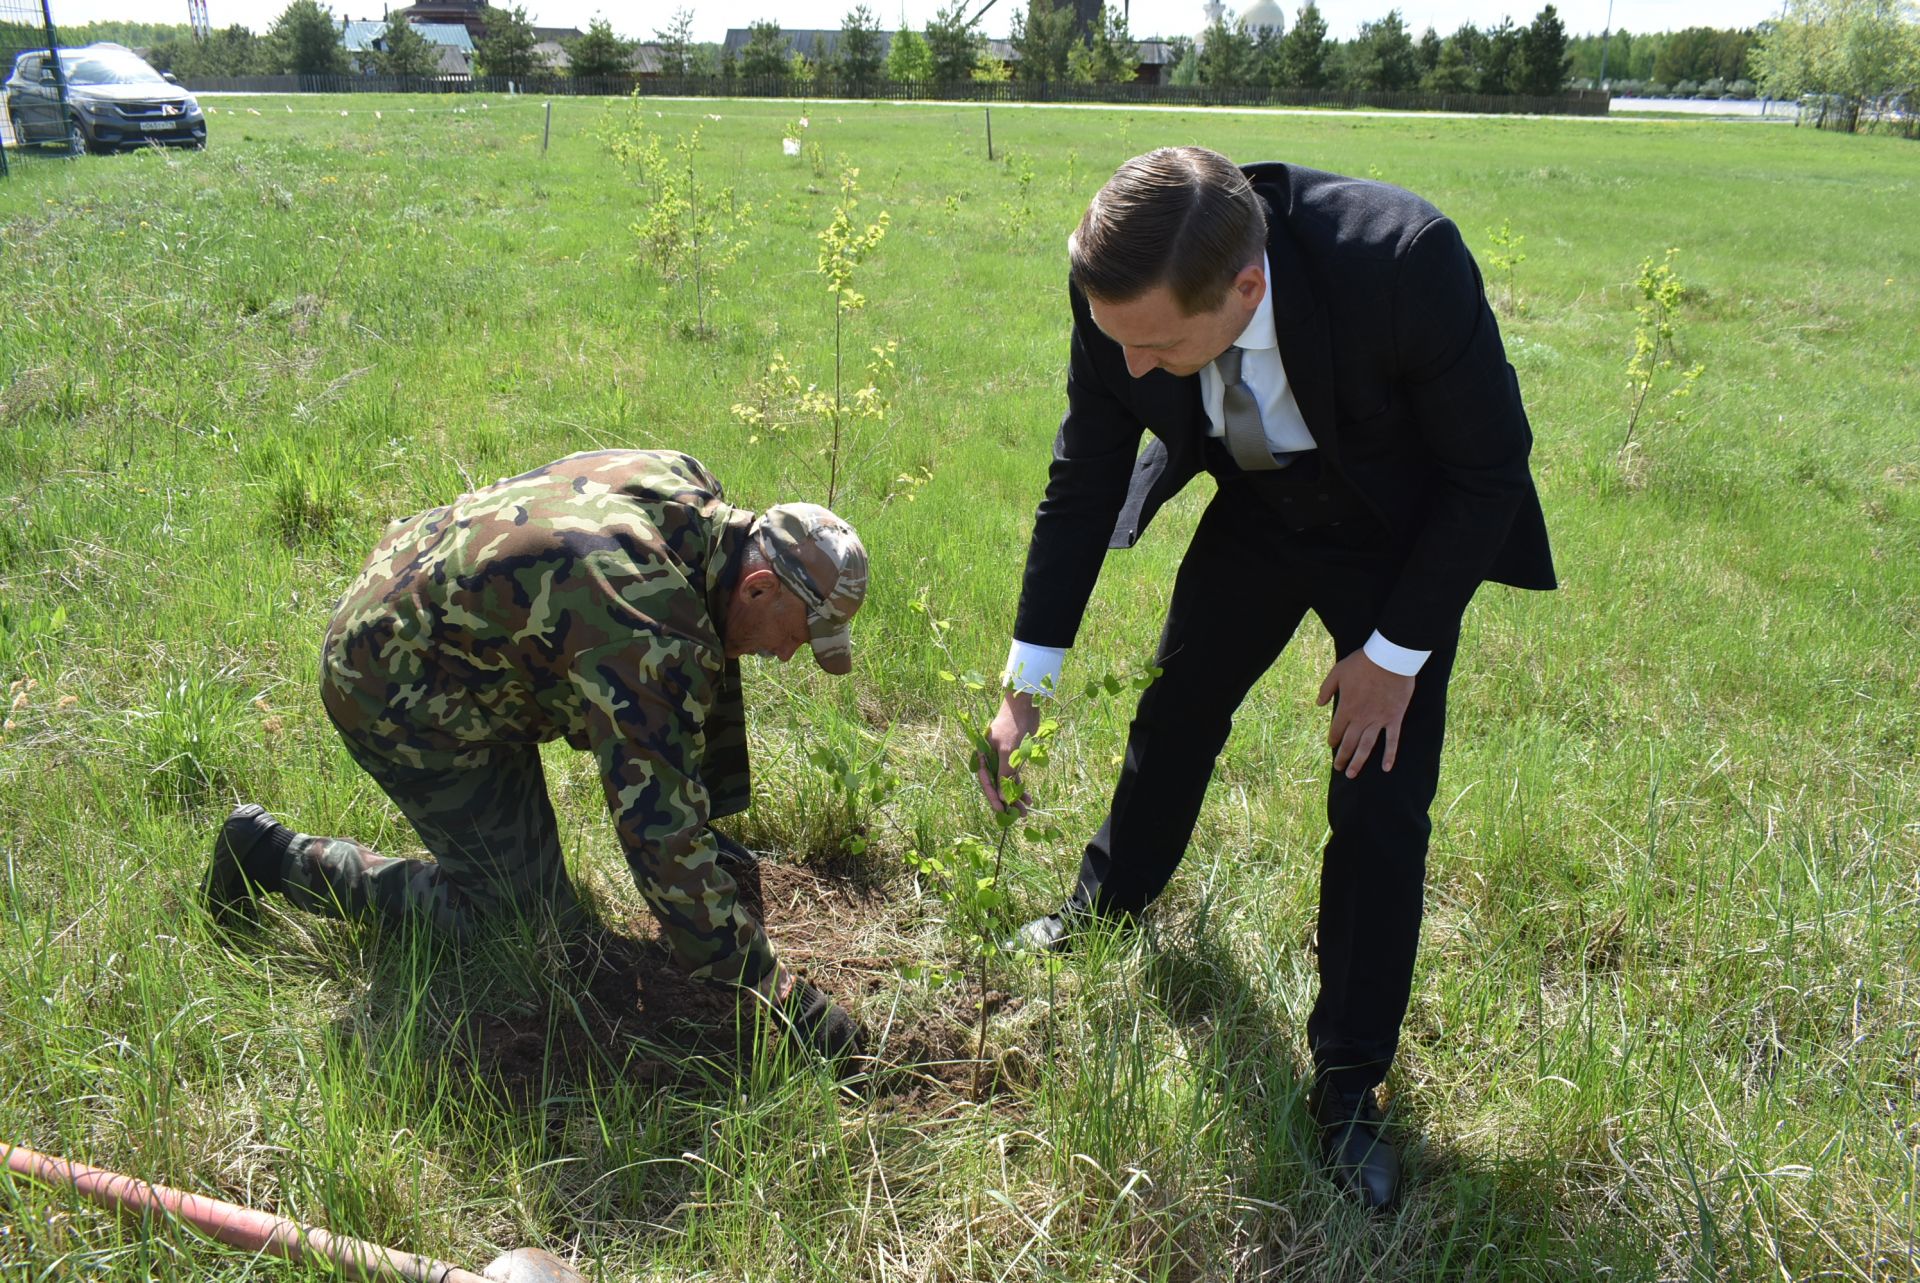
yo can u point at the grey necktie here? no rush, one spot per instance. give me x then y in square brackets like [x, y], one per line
[1246, 435]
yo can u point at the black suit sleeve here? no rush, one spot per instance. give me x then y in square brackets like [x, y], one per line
[1466, 409]
[1093, 458]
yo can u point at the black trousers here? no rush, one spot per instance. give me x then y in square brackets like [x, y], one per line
[1246, 583]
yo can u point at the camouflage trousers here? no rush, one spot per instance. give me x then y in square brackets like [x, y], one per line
[489, 825]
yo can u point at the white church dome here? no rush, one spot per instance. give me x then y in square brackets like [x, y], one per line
[1264, 15]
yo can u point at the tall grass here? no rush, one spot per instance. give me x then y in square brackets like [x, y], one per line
[1665, 1023]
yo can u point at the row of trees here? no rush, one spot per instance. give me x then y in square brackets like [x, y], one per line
[1504, 59]
[1698, 54]
[1861, 56]
[1050, 49]
[305, 40]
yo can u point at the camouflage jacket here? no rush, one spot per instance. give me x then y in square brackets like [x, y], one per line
[582, 600]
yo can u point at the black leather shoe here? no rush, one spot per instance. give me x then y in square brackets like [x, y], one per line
[1359, 1157]
[228, 889]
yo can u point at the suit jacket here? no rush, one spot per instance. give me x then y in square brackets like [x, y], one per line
[1396, 362]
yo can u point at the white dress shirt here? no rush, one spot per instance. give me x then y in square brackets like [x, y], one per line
[1036, 669]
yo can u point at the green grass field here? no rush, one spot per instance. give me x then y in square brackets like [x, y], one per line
[1666, 1022]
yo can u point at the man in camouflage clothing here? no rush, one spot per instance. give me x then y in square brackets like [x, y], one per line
[605, 599]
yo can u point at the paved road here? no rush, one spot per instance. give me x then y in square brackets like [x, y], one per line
[1768, 109]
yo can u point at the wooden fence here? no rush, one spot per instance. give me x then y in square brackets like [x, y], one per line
[1574, 103]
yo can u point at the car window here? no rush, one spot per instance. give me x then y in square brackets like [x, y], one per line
[28, 68]
[108, 69]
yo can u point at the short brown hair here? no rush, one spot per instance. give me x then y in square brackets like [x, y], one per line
[1183, 217]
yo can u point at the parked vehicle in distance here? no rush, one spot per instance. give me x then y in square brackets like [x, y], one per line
[114, 100]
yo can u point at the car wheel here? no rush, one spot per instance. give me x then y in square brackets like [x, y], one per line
[76, 137]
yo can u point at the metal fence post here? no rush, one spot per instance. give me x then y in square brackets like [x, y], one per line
[75, 143]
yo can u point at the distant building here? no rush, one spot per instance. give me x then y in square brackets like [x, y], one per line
[467, 13]
[1259, 17]
[821, 44]
[1156, 59]
[550, 47]
[1263, 16]
[451, 41]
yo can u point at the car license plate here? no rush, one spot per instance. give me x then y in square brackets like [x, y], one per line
[156, 126]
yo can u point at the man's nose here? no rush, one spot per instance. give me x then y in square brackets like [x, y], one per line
[1140, 361]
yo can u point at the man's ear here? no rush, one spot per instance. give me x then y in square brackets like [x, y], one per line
[1250, 283]
[757, 584]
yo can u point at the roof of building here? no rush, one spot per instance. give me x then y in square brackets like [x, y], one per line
[799, 41]
[362, 37]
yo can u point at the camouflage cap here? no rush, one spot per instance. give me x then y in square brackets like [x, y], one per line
[822, 560]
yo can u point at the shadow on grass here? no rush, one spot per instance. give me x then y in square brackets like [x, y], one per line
[531, 1019]
[1461, 1214]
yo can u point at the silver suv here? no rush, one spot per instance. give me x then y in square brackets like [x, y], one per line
[114, 100]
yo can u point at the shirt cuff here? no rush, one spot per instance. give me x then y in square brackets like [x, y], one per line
[1033, 669]
[1395, 659]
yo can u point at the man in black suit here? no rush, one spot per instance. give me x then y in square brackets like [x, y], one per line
[1323, 347]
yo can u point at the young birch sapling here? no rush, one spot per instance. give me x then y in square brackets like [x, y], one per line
[1654, 353]
[1505, 256]
[689, 232]
[969, 876]
[827, 432]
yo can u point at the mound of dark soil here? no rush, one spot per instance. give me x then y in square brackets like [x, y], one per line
[636, 1016]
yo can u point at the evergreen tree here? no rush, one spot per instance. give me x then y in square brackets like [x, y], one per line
[1540, 62]
[1226, 56]
[1184, 67]
[1452, 73]
[1427, 52]
[1043, 37]
[306, 41]
[1269, 64]
[909, 58]
[861, 59]
[1303, 54]
[1384, 57]
[676, 44]
[1496, 58]
[1108, 56]
[405, 52]
[951, 43]
[599, 52]
[508, 47]
[766, 53]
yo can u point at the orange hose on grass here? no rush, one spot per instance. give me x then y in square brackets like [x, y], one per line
[243, 1227]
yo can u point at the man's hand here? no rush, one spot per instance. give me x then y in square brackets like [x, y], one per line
[1372, 703]
[1016, 720]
